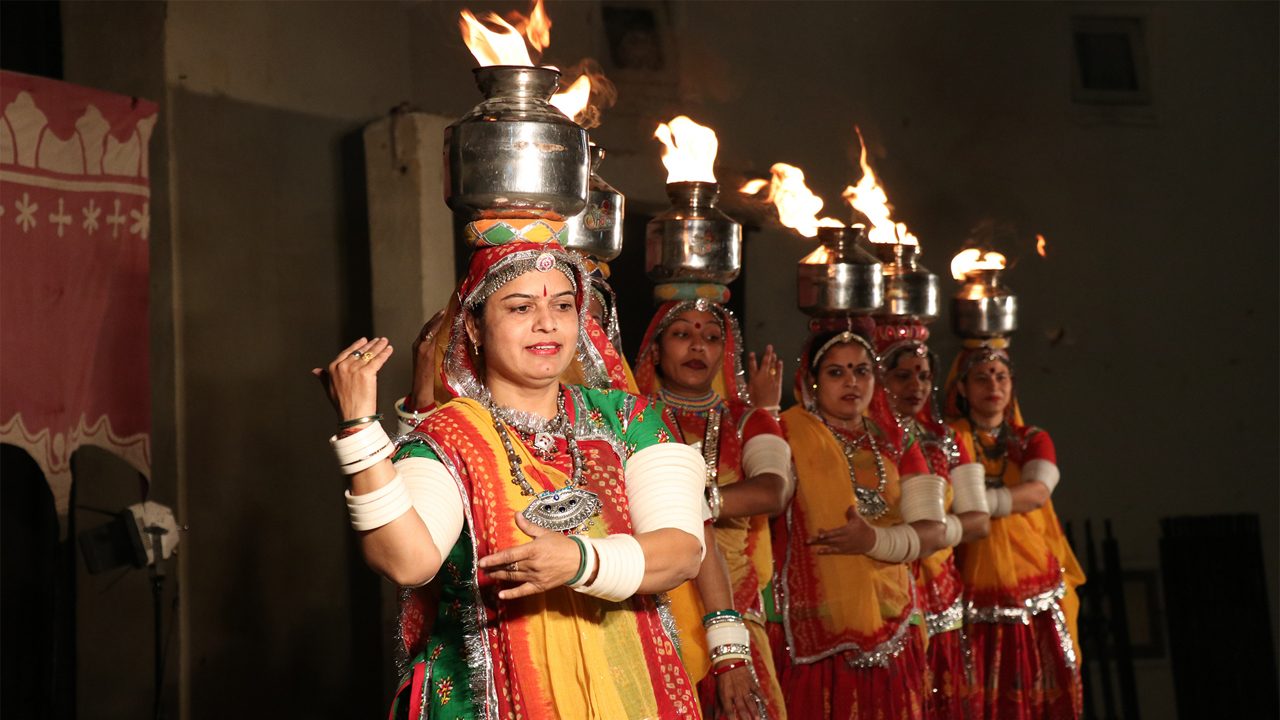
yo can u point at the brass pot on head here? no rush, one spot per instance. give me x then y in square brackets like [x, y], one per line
[515, 154]
[597, 230]
[840, 278]
[693, 241]
[983, 307]
[910, 289]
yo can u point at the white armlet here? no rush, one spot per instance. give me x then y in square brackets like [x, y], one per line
[897, 544]
[1041, 471]
[407, 420]
[1000, 500]
[969, 483]
[664, 489]
[766, 454]
[436, 498]
[955, 531]
[924, 498]
[620, 563]
[372, 510]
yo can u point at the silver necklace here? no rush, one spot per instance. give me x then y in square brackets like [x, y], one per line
[871, 502]
[569, 509]
[999, 450]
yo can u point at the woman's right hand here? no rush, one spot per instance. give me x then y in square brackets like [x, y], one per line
[424, 363]
[352, 378]
[855, 537]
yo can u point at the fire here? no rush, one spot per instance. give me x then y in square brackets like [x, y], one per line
[868, 198]
[971, 259]
[573, 101]
[1041, 244]
[797, 205]
[690, 150]
[751, 187]
[494, 47]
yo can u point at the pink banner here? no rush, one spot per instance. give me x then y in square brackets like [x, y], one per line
[74, 222]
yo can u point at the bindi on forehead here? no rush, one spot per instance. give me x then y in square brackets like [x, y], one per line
[697, 325]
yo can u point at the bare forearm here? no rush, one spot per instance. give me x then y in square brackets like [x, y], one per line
[713, 577]
[977, 525]
[670, 558]
[764, 494]
[932, 536]
[1029, 496]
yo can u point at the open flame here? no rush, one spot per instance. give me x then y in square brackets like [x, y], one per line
[971, 259]
[1041, 244]
[507, 45]
[690, 150]
[868, 198]
[573, 100]
[797, 205]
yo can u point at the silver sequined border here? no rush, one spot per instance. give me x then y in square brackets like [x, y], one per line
[1048, 601]
[950, 619]
[877, 657]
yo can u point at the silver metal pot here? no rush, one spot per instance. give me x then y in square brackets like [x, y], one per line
[910, 290]
[693, 241]
[515, 154]
[597, 230]
[840, 279]
[983, 308]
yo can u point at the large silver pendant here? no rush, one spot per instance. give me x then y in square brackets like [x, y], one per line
[871, 504]
[563, 509]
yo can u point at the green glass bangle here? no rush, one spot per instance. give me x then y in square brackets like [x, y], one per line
[582, 559]
[730, 612]
[359, 421]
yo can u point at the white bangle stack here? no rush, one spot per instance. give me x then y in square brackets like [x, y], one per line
[896, 544]
[924, 498]
[969, 483]
[371, 511]
[620, 570]
[1041, 471]
[766, 454]
[1000, 500]
[664, 490]
[955, 531]
[363, 449]
[727, 636]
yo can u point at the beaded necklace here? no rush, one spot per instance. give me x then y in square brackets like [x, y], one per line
[871, 502]
[999, 450]
[570, 509]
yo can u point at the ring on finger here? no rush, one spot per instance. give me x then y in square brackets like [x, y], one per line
[367, 356]
[355, 353]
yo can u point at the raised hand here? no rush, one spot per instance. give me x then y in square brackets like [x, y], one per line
[352, 378]
[855, 537]
[764, 379]
[549, 561]
[424, 363]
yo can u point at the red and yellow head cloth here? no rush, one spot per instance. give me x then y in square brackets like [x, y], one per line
[729, 382]
[974, 351]
[502, 250]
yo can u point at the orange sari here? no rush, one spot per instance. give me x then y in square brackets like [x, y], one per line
[855, 648]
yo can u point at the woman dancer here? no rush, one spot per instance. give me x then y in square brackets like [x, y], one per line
[547, 516]
[907, 369]
[691, 360]
[865, 507]
[1020, 580]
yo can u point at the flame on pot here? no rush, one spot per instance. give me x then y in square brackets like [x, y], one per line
[972, 259]
[506, 45]
[1041, 244]
[689, 151]
[868, 198]
[573, 100]
[797, 205]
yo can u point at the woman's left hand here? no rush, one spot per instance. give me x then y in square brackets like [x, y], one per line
[549, 561]
[739, 694]
[764, 379]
